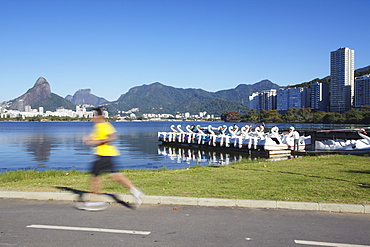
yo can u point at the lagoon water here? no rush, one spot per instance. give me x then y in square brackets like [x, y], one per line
[58, 145]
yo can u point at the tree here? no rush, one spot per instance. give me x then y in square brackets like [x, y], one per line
[353, 116]
[335, 117]
[318, 117]
[365, 111]
[230, 116]
[292, 115]
[306, 114]
[272, 116]
[252, 116]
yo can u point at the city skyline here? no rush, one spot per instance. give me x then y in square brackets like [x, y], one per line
[342, 93]
[112, 46]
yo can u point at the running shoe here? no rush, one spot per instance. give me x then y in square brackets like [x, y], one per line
[138, 198]
[92, 206]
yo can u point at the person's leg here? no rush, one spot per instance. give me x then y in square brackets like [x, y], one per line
[125, 181]
[122, 179]
[95, 185]
[296, 145]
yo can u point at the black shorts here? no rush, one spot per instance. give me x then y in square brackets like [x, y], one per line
[103, 164]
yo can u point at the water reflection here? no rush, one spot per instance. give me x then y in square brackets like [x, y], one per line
[138, 142]
[196, 156]
[38, 145]
[202, 157]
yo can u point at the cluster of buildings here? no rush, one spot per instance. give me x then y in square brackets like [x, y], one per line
[81, 112]
[345, 91]
[158, 117]
[27, 112]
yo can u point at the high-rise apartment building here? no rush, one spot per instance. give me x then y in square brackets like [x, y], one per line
[253, 101]
[282, 101]
[362, 91]
[292, 98]
[21, 105]
[341, 79]
[265, 100]
[320, 96]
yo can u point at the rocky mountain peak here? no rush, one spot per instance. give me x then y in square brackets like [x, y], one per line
[39, 91]
[84, 96]
[40, 81]
[88, 91]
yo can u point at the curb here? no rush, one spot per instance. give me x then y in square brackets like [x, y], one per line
[193, 201]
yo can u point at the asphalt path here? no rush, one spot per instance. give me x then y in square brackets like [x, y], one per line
[59, 223]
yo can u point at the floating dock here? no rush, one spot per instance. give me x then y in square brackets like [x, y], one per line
[345, 134]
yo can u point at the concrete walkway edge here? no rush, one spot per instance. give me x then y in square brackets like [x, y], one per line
[193, 201]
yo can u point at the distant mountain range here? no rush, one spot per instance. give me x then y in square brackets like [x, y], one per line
[152, 98]
[159, 98]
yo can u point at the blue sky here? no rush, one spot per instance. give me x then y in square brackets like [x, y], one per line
[111, 46]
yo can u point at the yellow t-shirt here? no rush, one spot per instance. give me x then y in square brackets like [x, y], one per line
[101, 131]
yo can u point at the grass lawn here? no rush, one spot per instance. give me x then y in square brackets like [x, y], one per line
[328, 178]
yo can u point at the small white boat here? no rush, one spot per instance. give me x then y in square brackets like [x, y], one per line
[350, 146]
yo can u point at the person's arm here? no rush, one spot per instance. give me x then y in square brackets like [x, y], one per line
[89, 141]
[110, 138]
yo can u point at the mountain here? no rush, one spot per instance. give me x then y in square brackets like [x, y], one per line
[84, 96]
[217, 106]
[55, 101]
[41, 90]
[40, 95]
[363, 69]
[242, 91]
[159, 98]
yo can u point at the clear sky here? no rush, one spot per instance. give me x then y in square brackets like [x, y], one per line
[111, 46]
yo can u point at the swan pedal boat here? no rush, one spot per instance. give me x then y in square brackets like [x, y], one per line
[346, 146]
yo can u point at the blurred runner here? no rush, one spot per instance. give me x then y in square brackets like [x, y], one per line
[101, 137]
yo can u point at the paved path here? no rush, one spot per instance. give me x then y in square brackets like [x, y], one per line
[44, 223]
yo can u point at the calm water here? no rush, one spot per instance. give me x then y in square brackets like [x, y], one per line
[49, 145]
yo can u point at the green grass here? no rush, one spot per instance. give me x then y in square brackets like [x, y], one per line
[330, 178]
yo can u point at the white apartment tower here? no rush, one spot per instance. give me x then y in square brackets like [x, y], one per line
[341, 79]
